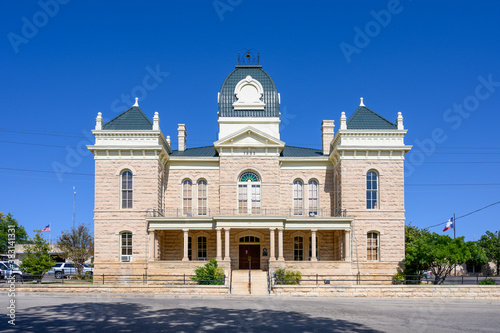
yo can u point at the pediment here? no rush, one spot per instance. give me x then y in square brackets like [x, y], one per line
[249, 137]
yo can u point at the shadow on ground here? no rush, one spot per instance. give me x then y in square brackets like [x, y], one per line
[131, 317]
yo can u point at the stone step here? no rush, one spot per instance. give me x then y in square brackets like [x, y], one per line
[240, 283]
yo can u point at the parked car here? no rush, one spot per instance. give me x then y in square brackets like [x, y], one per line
[66, 269]
[426, 276]
[11, 269]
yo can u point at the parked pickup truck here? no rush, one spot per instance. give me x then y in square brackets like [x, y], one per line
[66, 269]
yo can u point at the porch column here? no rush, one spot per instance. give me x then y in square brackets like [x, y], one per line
[347, 242]
[152, 245]
[272, 250]
[186, 235]
[280, 245]
[226, 244]
[313, 245]
[219, 244]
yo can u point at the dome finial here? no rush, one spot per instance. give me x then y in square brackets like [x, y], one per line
[136, 102]
[361, 102]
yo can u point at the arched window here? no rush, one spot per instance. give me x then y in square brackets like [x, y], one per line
[298, 248]
[372, 248]
[298, 197]
[202, 197]
[249, 239]
[187, 197]
[202, 247]
[336, 202]
[126, 189]
[126, 246]
[313, 197]
[310, 248]
[249, 193]
[372, 190]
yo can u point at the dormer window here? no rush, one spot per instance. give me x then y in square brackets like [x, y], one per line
[249, 94]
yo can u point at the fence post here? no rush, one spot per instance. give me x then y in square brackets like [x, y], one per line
[462, 279]
[477, 279]
[103, 279]
[317, 279]
[184, 278]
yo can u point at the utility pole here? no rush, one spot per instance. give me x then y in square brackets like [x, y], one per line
[74, 206]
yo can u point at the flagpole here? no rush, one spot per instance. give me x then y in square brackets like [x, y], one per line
[50, 233]
[74, 206]
[454, 235]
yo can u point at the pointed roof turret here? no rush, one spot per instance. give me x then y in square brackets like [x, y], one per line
[364, 118]
[132, 119]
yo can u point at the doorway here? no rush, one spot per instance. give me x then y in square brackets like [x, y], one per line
[249, 256]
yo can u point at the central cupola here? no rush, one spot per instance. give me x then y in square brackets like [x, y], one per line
[248, 97]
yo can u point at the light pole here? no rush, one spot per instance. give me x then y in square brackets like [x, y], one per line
[74, 206]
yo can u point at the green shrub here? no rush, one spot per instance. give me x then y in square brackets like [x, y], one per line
[398, 278]
[487, 281]
[288, 277]
[209, 274]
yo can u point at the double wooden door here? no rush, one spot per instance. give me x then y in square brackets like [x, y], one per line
[249, 256]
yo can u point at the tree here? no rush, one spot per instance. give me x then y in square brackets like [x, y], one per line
[8, 222]
[37, 261]
[477, 254]
[77, 244]
[491, 245]
[415, 248]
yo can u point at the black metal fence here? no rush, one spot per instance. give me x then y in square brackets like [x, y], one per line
[359, 279]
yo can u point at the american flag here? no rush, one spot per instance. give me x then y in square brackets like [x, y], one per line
[47, 228]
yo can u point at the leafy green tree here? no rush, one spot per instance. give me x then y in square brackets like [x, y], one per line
[77, 244]
[477, 254]
[491, 245]
[416, 247]
[444, 254]
[6, 222]
[37, 261]
[209, 274]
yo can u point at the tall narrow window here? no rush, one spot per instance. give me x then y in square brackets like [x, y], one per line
[202, 247]
[187, 197]
[190, 248]
[372, 190]
[249, 193]
[337, 207]
[298, 197]
[313, 197]
[372, 247]
[202, 197]
[126, 245]
[127, 189]
[298, 248]
[310, 248]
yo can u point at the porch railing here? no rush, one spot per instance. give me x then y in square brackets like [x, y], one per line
[208, 212]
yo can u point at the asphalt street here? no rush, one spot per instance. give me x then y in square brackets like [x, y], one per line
[102, 313]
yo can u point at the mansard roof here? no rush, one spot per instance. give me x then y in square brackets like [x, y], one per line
[132, 119]
[270, 96]
[364, 118]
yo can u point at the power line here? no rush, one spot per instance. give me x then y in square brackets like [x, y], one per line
[48, 171]
[475, 211]
[478, 184]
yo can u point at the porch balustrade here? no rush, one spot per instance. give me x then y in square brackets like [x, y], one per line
[208, 212]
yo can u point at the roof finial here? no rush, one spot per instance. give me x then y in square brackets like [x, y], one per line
[136, 102]
[361, 102]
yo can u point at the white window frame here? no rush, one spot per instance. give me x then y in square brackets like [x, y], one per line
[187, 198]
[313, 197]
[252, 190]
[298, 197]
[125, 189]
[128, 246]
[370, 191]
[370, 248]
[202, 191]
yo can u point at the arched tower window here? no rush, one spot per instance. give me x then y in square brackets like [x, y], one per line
[372, 193]
[249, 194]
[126, 189]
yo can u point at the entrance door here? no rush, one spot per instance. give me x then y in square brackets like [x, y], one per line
[251, 252]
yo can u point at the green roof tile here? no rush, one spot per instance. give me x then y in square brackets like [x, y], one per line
[364, 118]
[132, 119]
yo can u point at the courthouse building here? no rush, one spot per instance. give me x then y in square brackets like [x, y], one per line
[249, 199]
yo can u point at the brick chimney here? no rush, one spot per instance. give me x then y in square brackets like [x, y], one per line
[182, 137]
[327, 132]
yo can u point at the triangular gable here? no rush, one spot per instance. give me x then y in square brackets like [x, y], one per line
[249, 137]
[132, 119]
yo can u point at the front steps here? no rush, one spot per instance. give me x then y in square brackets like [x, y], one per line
[241, 286]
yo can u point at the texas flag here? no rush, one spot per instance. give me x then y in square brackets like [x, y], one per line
[47, 228]
[449, 224]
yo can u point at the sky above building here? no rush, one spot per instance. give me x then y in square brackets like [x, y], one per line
[436, 62]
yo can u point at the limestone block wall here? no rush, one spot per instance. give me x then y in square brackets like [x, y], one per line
[173, 192]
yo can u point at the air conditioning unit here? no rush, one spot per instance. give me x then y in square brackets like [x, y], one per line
[126, 258]
[313, 214]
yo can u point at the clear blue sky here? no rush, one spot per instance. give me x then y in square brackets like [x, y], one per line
[430, 60]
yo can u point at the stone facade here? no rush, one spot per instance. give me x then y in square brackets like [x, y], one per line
[250, 195]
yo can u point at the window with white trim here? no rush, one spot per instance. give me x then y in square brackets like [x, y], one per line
[249, 193]
[126, 243]
[298, 197]
[313, 197]
[298, 248]
[202, 247]
[372, 190]
[126, 189]
[202, 197]
[187, 197]
[372, 248]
